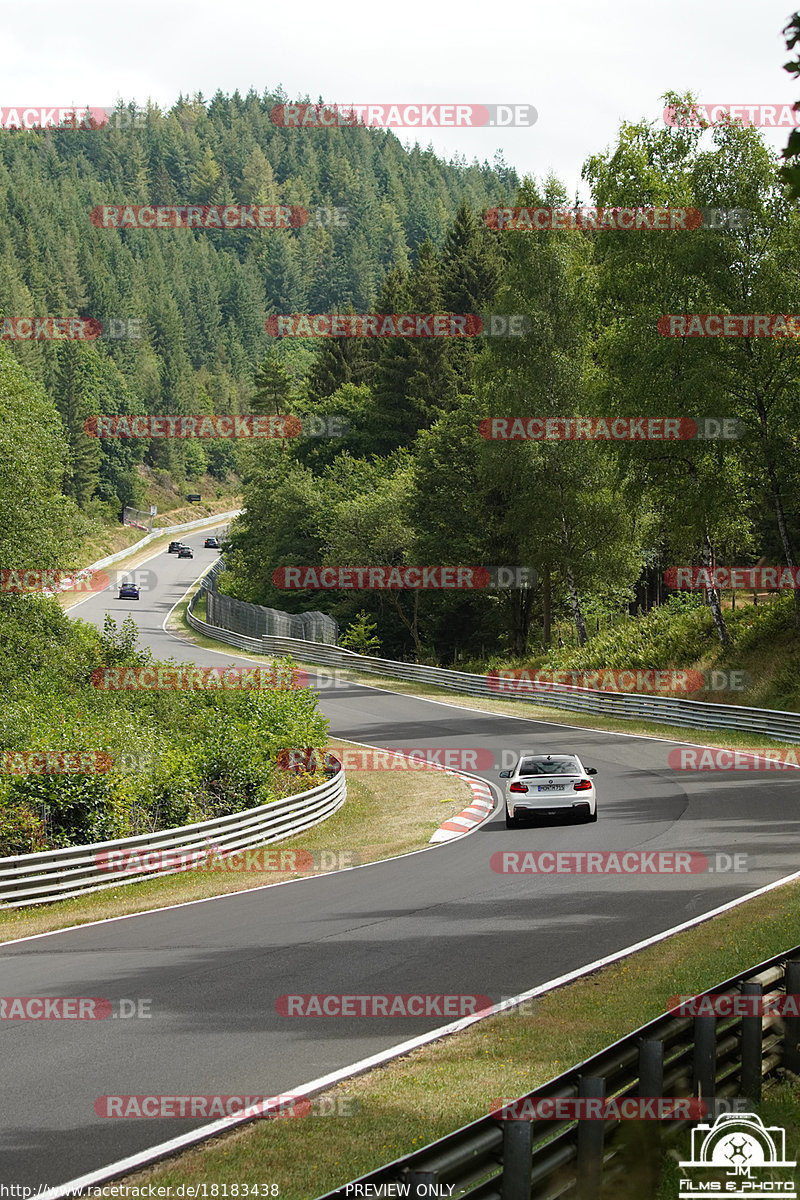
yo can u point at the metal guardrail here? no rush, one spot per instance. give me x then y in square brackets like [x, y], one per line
[51, 875]
[213, 520]
[716, 1059]
[208, 582]
[774, 723]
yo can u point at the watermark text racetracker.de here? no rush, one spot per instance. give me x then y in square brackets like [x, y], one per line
[55, 762]
[194, 678]
[537, 220]
[23, 116]
[124, 425]
[640, 680]
[245, 425]
[388, 578]
[403, 115]
[212, 858]
[64, 329]
[48, 580]
[215, 216]
[149, 1191]
[199, 216]
[712, 758]
[72, 1008]
[609, 429]
[394, 1004]
[739, 325]
[616, 862]
[351, 758]
[49, 329]
[734, 1004]
[695, 579]
[766, 116]
[286, 1105]
[593, 218]
[397, 325]
[620, 1108]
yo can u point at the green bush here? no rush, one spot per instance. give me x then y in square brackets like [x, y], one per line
[175, 757]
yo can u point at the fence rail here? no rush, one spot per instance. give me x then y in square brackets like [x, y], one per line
[255, 620]
[723, 1061]
[52, 875]
[696, 714]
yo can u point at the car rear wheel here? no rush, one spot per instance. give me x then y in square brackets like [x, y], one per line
[590, 817]
[512, 822]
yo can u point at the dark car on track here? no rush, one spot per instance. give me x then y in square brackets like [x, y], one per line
[128, 591]
[186, 552]
[174, 547]
[211, 543]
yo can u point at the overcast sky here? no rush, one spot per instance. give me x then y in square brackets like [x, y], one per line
[584, 65]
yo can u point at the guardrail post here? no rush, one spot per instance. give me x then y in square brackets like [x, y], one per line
[647, 1146]
[517, 1159]
[590, 1142]
[651, 1068]
[704, 1074]
[791, 1025]
[426, 1180]
[752, 1044]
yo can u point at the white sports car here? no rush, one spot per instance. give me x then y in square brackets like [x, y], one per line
[549, 785]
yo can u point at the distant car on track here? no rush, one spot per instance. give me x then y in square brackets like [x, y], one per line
[128, 591]
[549, 785]
[211, 543]
[186, 552]
[174, 547]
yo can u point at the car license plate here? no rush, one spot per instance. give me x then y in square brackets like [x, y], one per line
[551, 787]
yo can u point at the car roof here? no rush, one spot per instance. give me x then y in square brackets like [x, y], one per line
[527, 758]
[540, 754]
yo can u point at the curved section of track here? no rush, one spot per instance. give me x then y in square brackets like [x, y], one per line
[438, 921]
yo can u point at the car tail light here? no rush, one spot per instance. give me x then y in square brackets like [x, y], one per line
[582, 785]
[518, 787]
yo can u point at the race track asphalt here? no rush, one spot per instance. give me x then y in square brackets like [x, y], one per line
[439, 921]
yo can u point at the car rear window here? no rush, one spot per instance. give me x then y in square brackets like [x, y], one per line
[552, 766]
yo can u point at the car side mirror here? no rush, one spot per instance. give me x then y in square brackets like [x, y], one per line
[591, 771]
[506, 774]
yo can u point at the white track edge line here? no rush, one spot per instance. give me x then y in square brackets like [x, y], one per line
[167, 1148]
[143, 1158]
[316, 667]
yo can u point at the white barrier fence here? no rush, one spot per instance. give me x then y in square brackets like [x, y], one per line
[59, 874]
[696, 714]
